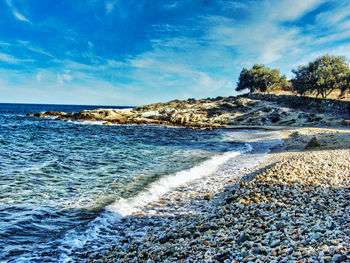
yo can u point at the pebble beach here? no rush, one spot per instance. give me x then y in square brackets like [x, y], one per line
[293, 207]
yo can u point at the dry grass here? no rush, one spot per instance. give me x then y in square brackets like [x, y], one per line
[334, 95]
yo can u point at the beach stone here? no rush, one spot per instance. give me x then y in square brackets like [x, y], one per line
[244, 237]
[313, 143]
[316, 236]
[332, 226]
[264, 216]
[256, 250]
[275, 243]
[327, 258]
[222, 257]
[165, 238]
[333, 242]
[229, 200]
[296, 254]
[339, 258]
[207, 197]
[196, 235]
[280, 225]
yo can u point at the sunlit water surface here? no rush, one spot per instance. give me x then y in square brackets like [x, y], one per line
[58, 177]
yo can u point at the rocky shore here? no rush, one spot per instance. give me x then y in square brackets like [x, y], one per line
[293, 208]
[221, 112]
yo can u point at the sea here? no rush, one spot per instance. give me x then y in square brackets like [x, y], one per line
[67, 184]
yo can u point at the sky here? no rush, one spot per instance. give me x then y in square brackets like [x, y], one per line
[135, 52]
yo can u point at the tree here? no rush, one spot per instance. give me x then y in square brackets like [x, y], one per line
[262, 79]
[303, 81]
[345, 85]
[323, 76]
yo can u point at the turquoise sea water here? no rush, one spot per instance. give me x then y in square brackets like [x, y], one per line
[58, 177]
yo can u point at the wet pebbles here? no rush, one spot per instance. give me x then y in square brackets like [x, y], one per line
[298, 210]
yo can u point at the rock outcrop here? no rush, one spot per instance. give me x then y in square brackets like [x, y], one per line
[248, 110]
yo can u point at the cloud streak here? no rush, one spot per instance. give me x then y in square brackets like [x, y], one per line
[15, 12]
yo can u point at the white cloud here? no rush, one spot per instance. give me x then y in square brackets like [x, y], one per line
[90, 45]
[7, 58]
[117, 5]
[335, 16]
[289, 10]
[204, 83]
[263, 42]
[63, 78]
[110, 6]
[36, 49]
[16, 13]
[345, 25]
[177, 73]
[341, 50]
[12, 60]
[20, 16]
[333, 37]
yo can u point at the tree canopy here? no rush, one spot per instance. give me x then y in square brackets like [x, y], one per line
[262, 79]
[323, 75]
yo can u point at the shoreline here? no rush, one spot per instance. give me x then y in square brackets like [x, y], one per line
[226, 224]
[208, 226]
[249, 111]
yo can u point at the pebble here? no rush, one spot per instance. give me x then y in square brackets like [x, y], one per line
[302, 214]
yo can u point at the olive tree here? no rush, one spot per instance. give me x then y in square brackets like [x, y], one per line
[262, 79]
[345, 85]
[322, 76]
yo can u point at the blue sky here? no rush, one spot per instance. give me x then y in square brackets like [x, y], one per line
[133, 52]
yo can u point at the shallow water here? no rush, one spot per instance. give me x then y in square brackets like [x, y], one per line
[63, 184]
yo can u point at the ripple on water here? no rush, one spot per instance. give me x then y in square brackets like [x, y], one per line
[57, 177]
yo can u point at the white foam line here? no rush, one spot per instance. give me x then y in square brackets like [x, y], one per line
[129, 206]
[123, 207]
[87, 122]
[252, 136]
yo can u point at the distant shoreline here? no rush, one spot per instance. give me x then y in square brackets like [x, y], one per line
[58, 104]
[254, 110]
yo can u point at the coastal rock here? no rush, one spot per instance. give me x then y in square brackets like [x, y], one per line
[249, 110]
[313, 143]
[48, 114]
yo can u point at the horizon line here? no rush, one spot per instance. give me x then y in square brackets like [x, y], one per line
[66, 104]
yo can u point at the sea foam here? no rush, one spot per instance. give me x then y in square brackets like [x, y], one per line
[125, 207]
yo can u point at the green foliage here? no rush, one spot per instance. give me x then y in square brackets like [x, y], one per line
[345, 85]
[261, 79]
[323, 75]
